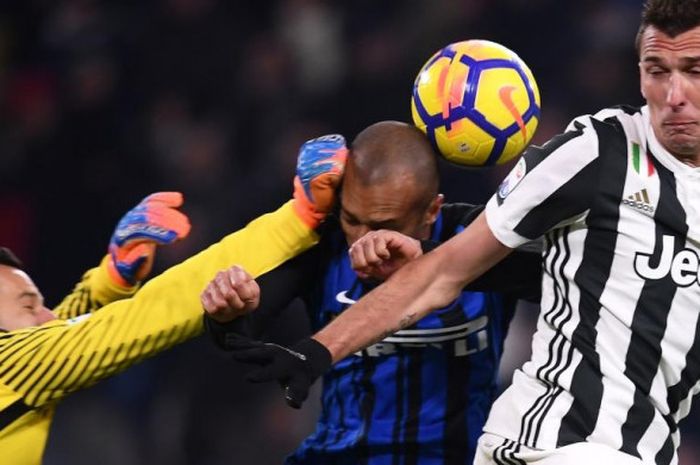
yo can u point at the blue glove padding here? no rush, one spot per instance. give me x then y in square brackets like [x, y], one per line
[320, 167]
[154, 221]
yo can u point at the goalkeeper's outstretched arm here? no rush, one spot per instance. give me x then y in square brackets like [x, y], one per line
[44, 363]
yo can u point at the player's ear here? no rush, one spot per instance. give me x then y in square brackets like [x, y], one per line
[641, 87]
[433, 209]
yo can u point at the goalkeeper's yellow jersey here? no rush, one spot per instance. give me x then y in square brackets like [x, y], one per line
[40, 365]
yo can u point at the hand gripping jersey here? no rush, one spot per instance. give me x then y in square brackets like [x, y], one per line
[420, 396]
[41, 365]
[616, 356]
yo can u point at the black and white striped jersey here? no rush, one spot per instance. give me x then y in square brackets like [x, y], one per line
[616, 355]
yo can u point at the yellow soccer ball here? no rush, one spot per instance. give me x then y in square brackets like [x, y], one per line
[477, 102]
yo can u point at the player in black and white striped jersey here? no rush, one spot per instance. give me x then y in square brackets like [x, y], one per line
[616, 356]
[616, 359]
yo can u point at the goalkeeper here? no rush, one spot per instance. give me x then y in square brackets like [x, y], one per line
[46, 355]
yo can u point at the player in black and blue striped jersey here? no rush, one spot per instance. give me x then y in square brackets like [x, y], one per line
[421, 395]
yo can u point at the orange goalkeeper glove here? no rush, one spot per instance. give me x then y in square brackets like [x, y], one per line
[320, 167]
[154, 221]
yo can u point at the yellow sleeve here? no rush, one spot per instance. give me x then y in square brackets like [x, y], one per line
[95, 290]
[45, 363]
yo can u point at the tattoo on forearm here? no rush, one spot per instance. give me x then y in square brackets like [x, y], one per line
[405, 322]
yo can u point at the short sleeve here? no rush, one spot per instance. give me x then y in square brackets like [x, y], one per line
[549, 186]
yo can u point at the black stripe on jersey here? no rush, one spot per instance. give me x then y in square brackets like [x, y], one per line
[495, 455]
[505, 453]
[513, 458]
[62, 373]
[15, 342]
[77, 304]
[113, 351]
[86, 303]
[340, 407]
[399, 420]
[24, 373]
[557, 316]
[639, 416]
[498, 455]
[550, 259]
[356, 374]
[32, 397]
[651, 314]
[35, 391]
[26, 342]
[177, 334]
[665, 455]
[329, 379]
[414, 400]
[591, 276]
[455, 431]
[136, 345]
[12, 412]
[534, 154]
[124, 350]
[369, 366]
[689, 376]
[560, 351]
[113, 330]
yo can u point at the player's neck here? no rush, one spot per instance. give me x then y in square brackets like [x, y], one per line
[691, 160]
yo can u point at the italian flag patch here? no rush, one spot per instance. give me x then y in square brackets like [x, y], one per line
[641, 162]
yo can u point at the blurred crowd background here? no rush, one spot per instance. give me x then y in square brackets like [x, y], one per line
[103, 102]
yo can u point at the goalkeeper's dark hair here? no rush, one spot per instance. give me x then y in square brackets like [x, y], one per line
[9, 259]
[388, 149]
[672, 17]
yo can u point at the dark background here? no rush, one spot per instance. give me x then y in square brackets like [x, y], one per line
[104, 102]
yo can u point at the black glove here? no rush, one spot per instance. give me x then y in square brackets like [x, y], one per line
[296, 368]
[229, 336]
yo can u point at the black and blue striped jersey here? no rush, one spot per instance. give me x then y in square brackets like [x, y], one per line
[421, 395]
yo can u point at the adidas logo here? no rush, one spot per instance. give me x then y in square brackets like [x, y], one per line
[640, 201]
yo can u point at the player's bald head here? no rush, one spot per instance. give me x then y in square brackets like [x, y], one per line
[389, 151]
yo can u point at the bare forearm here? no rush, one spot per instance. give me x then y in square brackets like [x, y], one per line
[428, 283]
[396, 304]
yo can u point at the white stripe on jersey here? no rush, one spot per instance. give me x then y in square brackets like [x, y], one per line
[549, 173]
[440, 334]
[616, 356]
[618, 390]
[555, 366]
[653, 439]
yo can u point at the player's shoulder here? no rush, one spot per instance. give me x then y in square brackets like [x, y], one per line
[456, 216]
[458, 209]
[625, 118]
